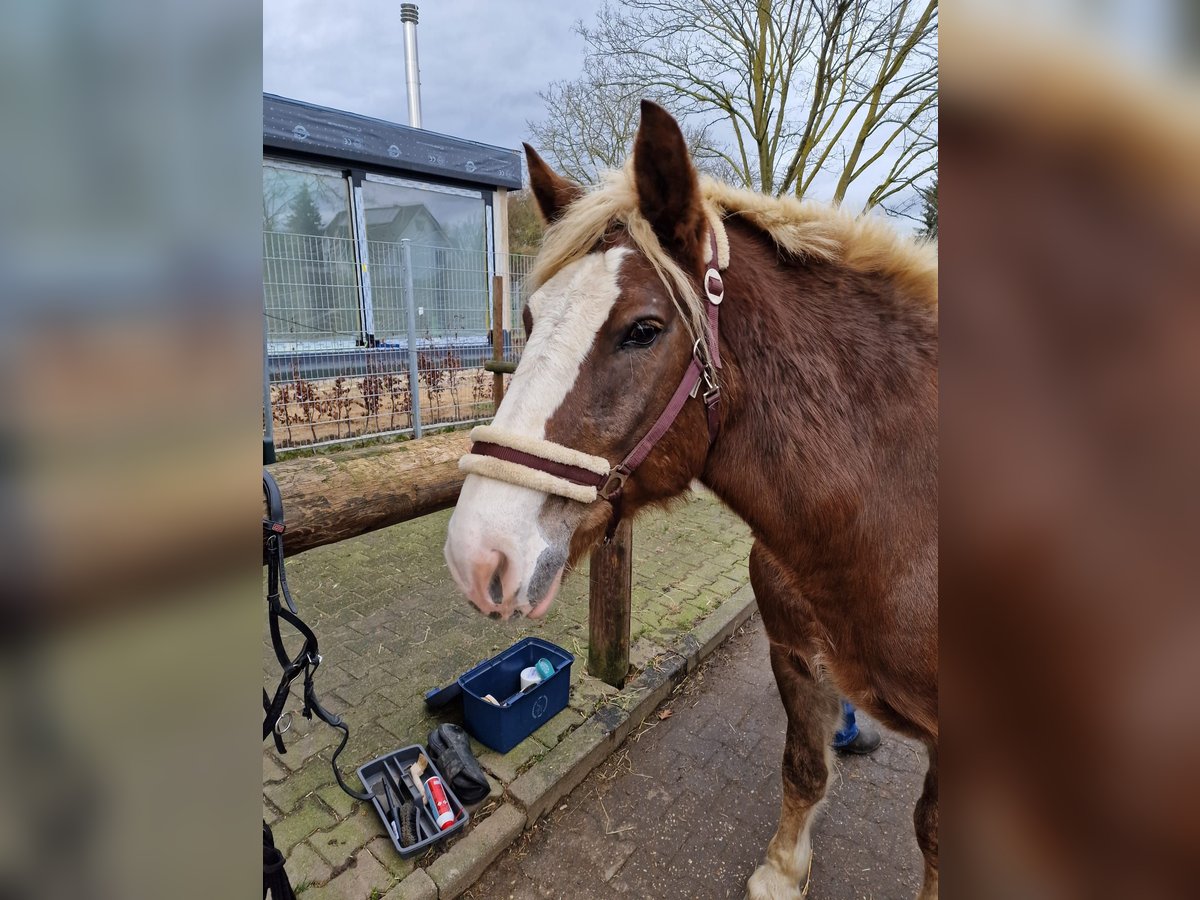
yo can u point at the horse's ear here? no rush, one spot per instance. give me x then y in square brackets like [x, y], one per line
[552, 192]
[667, 188]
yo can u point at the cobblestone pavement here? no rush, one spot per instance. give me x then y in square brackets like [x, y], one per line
[686, 807]
[392, 625]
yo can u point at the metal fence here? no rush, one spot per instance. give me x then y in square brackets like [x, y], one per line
[519, 267]
[430, 311]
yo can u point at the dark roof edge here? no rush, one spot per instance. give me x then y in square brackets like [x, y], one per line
[319, 131]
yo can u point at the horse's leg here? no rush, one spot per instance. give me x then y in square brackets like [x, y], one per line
[926, 819]
[813, 712]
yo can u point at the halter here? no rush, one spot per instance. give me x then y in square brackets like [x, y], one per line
[555, 469]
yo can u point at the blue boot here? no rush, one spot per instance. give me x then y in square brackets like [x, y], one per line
[852, 739]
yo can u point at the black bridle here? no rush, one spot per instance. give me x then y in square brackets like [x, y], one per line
[308, 659]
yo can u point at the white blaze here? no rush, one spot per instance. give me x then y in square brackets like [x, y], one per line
[495, 517]
[567, 312]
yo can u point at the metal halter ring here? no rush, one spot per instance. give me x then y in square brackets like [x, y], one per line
[280, 725]
[609, 489]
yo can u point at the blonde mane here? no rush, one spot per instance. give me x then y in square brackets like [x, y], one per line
[802, 229]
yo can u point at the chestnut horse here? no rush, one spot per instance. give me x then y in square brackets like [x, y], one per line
[810, 409]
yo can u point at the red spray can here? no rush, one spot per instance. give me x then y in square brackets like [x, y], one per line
[439, 803]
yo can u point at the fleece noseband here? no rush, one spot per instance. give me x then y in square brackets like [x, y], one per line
[554, 469]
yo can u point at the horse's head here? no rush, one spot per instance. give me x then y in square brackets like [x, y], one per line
[611, 331]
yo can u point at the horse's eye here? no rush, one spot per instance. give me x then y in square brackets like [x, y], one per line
[641, 334]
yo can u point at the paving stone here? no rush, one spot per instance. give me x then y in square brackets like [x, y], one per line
[363, 878]
[506, 766]
[307, 818]
[338, 800]
[587, 693]
[552, 732]
[417, 886]
[288, 793]
[305, 868]
[302, 747]
[272, 770]
[341, 843]
[641, 652]
[381, 848]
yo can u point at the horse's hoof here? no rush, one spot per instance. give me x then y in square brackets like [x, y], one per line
[768, 883]
[929, 890]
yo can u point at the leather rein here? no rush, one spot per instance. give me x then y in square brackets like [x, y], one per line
[611, 485]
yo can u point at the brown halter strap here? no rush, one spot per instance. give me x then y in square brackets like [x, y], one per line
[611, 486]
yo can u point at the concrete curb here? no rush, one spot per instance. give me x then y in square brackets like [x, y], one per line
[561, 770]
[454, 872]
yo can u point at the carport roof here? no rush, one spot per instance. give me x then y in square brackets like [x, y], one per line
[373, 144]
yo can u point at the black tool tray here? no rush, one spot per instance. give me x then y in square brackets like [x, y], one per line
[397, 764]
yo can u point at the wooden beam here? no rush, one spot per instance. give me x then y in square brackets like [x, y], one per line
[335, 496]
[609, 607]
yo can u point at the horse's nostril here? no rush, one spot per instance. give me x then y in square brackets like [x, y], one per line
[496, 583]
[495, 614]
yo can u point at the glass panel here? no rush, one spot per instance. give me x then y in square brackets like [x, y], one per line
[309, 284]
[449, 257]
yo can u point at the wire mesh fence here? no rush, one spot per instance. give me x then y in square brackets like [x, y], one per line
[519, 268]
[429, 310]
[310, 291]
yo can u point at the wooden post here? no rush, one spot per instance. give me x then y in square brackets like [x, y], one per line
[497, 336]
[609, 607]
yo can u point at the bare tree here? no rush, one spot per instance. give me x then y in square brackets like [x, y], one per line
[782, 91]
[591, 122]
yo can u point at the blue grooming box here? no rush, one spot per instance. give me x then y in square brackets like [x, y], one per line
[503, 727]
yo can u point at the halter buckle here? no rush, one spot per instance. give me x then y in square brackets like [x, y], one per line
[714, 286]
[614, 483]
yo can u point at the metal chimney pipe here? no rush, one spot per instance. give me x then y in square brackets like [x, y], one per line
[408, 15]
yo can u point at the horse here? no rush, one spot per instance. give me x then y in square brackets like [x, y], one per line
[784, 354]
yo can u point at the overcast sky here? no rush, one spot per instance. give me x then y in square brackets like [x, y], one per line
[482, 61]
[482, 64]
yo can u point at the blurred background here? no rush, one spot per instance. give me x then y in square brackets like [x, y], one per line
[1071, 433]
[131, 296]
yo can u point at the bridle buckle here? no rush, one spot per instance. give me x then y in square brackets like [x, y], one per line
[614, 483]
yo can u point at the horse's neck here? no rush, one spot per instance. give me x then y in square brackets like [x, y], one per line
[830, 386]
